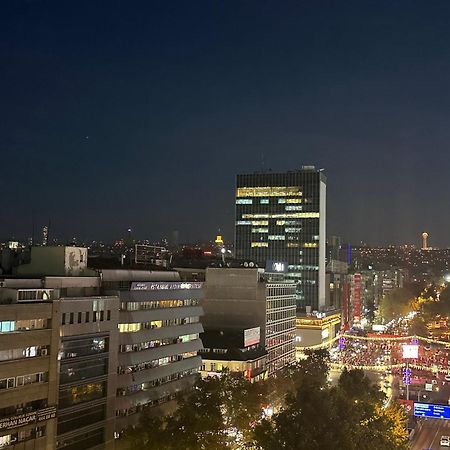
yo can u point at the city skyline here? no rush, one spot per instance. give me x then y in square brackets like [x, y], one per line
[115, 118]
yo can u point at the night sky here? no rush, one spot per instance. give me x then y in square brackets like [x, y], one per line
[140, 114]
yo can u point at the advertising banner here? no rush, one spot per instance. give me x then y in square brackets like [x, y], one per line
[357, 298]
[252, 336]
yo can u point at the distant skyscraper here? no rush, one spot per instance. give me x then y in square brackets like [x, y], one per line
[282, 217]
[45, 235]
[424, 240]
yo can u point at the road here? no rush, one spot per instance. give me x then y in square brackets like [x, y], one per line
[429, 435]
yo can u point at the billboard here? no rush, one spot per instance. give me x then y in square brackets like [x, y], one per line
[252, 336]
[431, 410]
[164, 286]
[357, 298]
[410, 351]
[28, 418]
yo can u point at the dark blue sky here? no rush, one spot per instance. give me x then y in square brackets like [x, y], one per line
[117, 114]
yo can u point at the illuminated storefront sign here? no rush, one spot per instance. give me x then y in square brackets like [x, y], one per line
[169, 286]
[24, 419]
[410, 351]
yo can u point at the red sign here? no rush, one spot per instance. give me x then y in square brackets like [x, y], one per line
[345, 324]
[357, 298]
[418, 381]
[407, 404]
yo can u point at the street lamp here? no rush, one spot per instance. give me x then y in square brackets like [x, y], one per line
[222, 250]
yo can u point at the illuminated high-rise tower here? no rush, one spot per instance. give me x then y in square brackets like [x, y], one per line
[281, 217]
[424, 240]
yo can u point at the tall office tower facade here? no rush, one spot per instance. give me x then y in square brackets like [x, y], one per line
[282, 217]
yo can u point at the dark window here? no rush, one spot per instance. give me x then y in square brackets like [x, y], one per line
[63, 321]
[102, 316]
[76, 371]
[108, 314]
[87, 316]
[83, 441]
[79, 419]
[71, 318]
[74, 348]
[95, 316]
[79, 317]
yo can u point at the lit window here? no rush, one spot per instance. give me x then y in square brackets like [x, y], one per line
[269, 191]
[259, 244]
[264, 201]
[260, 230]
[293, 208]
[281, 201]
[293, 200]
[244, 222]
[7, 326]
[273, 237]
[298, 215]
[244, 201]
[260, 222]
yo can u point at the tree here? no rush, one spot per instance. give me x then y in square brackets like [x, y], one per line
[349, 416]
[150, 433]
[313, 368]
[439, 307]
[219, 412]
[418, 327]
[395, 304]
[197, 424]
[242, 402]
[303, 423]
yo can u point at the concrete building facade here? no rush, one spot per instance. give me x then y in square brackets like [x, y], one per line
[28, 375]
[83, 352]
[247, 299]
[159, 327]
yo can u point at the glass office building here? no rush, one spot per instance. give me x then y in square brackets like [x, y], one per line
[282, 217]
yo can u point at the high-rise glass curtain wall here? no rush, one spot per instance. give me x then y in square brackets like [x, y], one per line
[279, 216]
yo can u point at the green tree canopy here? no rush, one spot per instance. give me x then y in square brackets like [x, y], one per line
[395, 304]
[349, 416]
[439, 307]
[418, 327]
[226, 413]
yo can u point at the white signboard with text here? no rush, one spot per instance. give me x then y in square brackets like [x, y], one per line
[252, 336]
